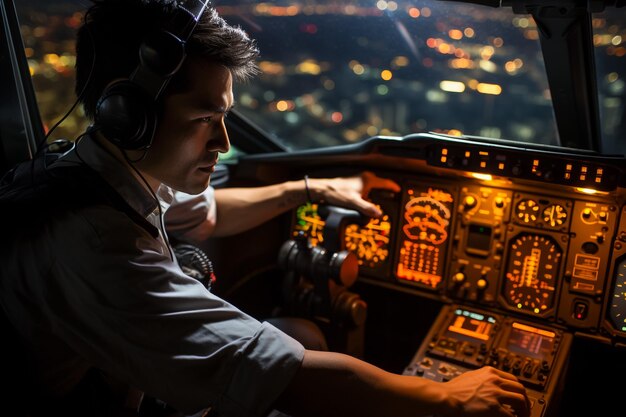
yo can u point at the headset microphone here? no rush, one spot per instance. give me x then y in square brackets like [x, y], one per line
[126, 112]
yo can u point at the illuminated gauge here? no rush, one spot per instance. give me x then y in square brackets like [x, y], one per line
[527, 210]
[369, 243]
[532, 272]
[617, 310]
[555, 215]
[309, 222]
[427, 220]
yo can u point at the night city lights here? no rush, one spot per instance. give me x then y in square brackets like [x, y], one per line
[339, 72]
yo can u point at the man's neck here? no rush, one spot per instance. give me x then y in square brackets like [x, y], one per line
[126, 157]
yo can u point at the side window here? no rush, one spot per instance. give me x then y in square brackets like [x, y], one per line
[609, 40]
[48, 31]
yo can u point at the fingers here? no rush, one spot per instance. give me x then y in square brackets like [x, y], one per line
[507, 411]
[516, 402]
[513, 395]
[369, 209]
[510, 393]
[501, 373]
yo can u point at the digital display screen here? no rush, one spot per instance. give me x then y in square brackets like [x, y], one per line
[475, 325]
[530, 341]
[479, 239]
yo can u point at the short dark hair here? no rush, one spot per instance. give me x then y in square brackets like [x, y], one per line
[114, 29]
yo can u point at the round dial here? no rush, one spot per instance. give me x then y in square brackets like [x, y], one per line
[427, 220]
[309, 222]
[554, 215]
[527, 210]
[532, 272]
[371, 242]
[617, 310]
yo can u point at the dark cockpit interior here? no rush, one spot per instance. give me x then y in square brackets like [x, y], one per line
[503, 122]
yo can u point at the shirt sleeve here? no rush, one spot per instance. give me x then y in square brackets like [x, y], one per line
[192, 217]
[116, 297]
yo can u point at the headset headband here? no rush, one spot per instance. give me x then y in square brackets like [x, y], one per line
[163, 52]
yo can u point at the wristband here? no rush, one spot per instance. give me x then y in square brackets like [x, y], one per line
[308, 191]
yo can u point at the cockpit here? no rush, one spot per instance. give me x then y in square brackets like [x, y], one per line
[503, 123]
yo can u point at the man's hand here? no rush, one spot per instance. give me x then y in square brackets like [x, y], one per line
[350, 192]
[487, 392]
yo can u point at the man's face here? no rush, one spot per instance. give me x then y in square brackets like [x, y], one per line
[191, 131]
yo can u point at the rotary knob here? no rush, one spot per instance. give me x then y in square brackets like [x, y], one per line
[469, 202]
[482, 283]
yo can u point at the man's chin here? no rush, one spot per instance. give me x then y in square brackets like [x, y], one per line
[193, 188]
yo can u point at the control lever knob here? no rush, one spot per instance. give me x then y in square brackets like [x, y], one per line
[345, 267]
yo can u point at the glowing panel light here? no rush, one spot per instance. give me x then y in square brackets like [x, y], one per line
[484, 177]
[452, 86]
[589, 191]
[493, 89]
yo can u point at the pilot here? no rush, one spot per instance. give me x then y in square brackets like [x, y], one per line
[91, 285]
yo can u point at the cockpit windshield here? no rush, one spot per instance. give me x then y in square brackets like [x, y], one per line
[339, 72]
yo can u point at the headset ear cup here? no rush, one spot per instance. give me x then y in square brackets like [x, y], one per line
[127, 116]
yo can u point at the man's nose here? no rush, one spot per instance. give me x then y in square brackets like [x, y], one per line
[221, 140]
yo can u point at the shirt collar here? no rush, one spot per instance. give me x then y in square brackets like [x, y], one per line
[119, 176]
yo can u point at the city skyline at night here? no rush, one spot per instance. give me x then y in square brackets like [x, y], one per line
[346, 72]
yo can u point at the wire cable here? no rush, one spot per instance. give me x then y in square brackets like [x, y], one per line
[156, 199]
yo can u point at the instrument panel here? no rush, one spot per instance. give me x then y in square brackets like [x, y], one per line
[463, 339]
[549, 257]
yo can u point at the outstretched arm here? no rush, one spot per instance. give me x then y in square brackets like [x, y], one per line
[332, 384]
[240, 209]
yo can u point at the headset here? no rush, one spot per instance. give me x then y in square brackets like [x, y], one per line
[126, 112]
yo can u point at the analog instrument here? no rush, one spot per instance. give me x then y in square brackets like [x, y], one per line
[554, 215]
[371, 242]
[427, 215]
[427, 220]
[310, 223]
[531, 275]
[617, 310]
[527, 210]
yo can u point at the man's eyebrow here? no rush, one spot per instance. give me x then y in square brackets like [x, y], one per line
[213, 108]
